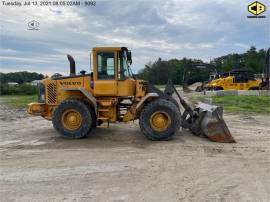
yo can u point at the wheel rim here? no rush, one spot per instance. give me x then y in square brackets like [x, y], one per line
[71, 119]
[160, 121]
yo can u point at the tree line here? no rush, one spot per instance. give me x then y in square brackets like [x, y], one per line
[22, 78]
[187, 70]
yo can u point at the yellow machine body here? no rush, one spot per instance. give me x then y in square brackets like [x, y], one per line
[79, 102]
[230, 83]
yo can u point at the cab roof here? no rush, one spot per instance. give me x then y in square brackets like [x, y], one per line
[107, 48]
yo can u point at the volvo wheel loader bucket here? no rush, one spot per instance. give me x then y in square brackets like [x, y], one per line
[212, 124]
[204, 120]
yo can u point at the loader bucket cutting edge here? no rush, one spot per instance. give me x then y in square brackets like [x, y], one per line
[216, 133]
[213, 124]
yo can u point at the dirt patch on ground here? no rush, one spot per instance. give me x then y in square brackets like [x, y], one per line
[120, 164]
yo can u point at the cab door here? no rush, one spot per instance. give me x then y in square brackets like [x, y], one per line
[125, 85]
[105, 83]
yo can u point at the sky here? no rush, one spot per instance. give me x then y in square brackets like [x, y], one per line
[202, 29]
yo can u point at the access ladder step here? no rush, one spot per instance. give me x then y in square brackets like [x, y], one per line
[105, 103]
[103, 110]
[103, 118]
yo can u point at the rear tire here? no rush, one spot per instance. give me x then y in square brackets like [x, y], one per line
[72, 119]
[159, 120]
[93, 115]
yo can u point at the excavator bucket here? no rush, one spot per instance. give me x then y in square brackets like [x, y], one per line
[203, 120]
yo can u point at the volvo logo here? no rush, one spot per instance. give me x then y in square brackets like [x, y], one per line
[70, 83]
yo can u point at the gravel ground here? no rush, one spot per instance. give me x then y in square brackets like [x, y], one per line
[120, 164]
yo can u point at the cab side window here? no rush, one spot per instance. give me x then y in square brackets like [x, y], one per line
[105, 65]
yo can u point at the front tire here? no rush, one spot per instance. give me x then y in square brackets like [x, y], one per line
[159, 120]
[72, 119]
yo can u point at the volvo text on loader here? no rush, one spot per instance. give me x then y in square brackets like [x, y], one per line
[79, 102]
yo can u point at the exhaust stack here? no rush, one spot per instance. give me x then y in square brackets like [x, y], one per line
[71, 65]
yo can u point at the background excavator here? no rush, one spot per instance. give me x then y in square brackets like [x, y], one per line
[110, 93]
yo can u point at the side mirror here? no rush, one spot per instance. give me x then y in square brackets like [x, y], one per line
[129, 57]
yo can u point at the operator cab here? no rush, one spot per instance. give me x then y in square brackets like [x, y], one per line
[112, 74]
[107, 59]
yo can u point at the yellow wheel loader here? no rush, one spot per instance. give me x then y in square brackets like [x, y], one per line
[79, 102]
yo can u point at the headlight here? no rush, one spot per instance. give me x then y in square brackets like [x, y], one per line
[41, 93]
